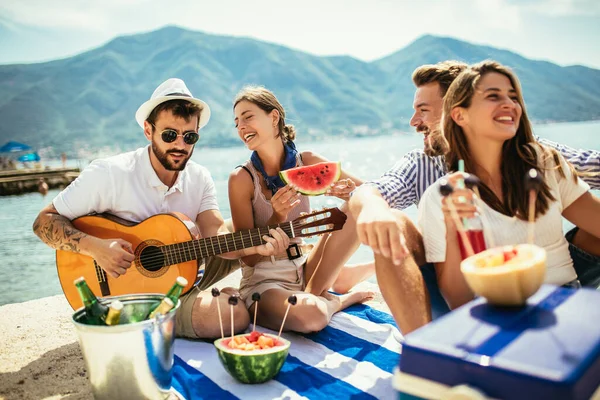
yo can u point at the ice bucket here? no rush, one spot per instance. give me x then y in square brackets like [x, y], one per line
[131, 360]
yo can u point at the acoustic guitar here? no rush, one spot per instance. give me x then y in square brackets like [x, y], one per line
[167, 246]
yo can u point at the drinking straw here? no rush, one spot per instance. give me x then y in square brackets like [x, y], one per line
[533, 181]
[445, 190]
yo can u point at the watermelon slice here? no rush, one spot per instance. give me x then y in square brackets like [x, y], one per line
[253, 366]
[313, 180]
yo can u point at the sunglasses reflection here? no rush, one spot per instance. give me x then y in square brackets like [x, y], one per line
[170, 135]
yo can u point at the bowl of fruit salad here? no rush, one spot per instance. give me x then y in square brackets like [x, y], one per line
[507, 275]
[252, 357]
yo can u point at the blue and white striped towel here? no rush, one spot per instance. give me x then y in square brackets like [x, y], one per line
[353, 357]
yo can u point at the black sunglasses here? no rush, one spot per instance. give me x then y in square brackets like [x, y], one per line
[170, 135]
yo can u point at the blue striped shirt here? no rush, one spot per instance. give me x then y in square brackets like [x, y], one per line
[404, 184]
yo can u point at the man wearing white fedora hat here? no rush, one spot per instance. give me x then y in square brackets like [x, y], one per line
[158, 178]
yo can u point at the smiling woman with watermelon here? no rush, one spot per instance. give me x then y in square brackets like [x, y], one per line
[259, 197]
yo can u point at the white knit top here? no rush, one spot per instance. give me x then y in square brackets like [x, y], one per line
[510, 230]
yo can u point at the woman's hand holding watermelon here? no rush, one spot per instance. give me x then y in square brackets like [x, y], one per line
[284, 201]
[342, 189]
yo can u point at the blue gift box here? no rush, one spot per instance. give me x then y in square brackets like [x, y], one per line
[547, 349]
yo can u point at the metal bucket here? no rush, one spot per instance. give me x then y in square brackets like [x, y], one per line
[130, 361]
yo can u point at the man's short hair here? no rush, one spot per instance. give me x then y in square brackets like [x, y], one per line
[180, 108]
[443, 73]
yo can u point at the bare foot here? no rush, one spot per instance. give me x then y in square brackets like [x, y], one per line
[346, 300]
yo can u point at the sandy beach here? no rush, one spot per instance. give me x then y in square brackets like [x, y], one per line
[39, 354]
[40, 357]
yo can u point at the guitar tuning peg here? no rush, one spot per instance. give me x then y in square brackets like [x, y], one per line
[302, 214]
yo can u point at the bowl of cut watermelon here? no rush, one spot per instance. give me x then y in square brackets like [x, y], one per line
[507, 275]
[252, 357]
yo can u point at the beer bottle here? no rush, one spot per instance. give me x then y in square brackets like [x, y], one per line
[174, 292]
[95, 311]
[114, 313]
[177, 289]
[164, 307]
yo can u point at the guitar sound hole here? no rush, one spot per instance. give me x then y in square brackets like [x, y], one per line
[152, 258]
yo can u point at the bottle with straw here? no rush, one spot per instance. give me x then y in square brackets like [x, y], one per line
[473, 227]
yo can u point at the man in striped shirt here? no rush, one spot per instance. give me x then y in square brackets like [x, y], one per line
[397, 243]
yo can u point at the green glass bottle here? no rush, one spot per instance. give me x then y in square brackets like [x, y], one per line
[114, 313]
[173, 294]
[177, 289]
[95, 311]
[164, 307]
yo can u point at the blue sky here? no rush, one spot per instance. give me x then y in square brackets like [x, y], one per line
[562, 31]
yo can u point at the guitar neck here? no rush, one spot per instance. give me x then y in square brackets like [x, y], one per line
[201, 248]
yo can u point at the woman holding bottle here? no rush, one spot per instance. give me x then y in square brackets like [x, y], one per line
[486, 125]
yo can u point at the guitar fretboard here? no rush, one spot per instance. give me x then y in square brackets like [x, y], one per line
[200, 248]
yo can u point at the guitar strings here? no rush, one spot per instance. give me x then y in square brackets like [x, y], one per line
[158, 260]
[208, 243]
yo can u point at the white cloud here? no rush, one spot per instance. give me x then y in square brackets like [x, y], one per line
[557, 8]
[68, 14]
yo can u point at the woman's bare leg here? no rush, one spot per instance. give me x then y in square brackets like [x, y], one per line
[310, 314]
[205, 317]
[330, 254]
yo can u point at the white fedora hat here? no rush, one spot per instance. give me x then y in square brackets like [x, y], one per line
[171, 89]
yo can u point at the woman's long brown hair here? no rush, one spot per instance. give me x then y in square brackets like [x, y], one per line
[519, 153]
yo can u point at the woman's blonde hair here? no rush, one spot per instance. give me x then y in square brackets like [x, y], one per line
[518, 153]
[266, 101]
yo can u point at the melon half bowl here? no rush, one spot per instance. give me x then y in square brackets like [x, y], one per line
[253, 366]
[508, 275]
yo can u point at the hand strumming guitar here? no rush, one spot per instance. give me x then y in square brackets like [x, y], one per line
[113, 255]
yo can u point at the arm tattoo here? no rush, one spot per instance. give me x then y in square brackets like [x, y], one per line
[58, 232]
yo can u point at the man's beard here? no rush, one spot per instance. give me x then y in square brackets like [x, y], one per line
[434, 143]
[168, 164]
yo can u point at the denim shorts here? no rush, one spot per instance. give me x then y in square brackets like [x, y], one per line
[587, 266]
[439, 306]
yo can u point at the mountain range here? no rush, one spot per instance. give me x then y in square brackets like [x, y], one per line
[89, 100]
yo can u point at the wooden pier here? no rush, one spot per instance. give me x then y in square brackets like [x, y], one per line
[19, 181]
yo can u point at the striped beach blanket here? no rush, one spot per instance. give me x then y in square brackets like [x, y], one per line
[353, 357]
